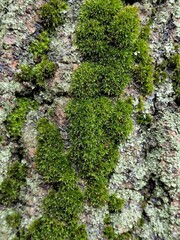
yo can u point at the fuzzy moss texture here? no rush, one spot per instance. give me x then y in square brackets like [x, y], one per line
[115, 51]
[111, 40]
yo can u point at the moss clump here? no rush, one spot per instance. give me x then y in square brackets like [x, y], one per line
[62, 206]
[174, 65]
[52, 15]
[144, 119]
[143, 71]
[10, 187]
[160, 74]
[145, 32]
[124, 29]
[38, 74]
[110, 234]
[14, 220]
[96, 127]
[93, 80]
[40, 47]
[54, 229]
[51, 161]
[17, 117]
[115, 204]
[105, 28]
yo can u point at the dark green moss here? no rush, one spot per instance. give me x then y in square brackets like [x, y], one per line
[40, 47]
[143, 75]
[17, 117]
[160, 74]
[51, 161]
[14, 220]
[1, 139]
[115, 204]
[38, 74]
[52, 15]
[144, 119]
[10, 187]
[174, 65]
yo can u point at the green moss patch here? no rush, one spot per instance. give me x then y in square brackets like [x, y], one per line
[17, 117]
[10, 187]
[40, 47]
[143, 71]
[51, 161]
[52, 15]
[63, 204]
[14, 220]
[37, 74]
[174, 65]
[96, 127]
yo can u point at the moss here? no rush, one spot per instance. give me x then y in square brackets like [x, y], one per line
[17, 117]
[145, 32]
[143, 70]
[174, 65]
[105, 28]
[109, 232]
[51, 161]
[37, 74]
[1, 139]
[93, 80]
[143, 75]
[144, 119]
[115, 204]
[54, 229]
[140, 106]
[40, 47]
[64, 202]
[10, 187]
[64, 205]
[51, 14]
[160, 74]
[95, 131]
[96, 191]
[125, 28]
[14, 220]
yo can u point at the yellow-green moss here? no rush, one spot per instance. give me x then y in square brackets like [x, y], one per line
[37, 74]
[51, 161]
[17, 117]
[40, 47]
[64, 202]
